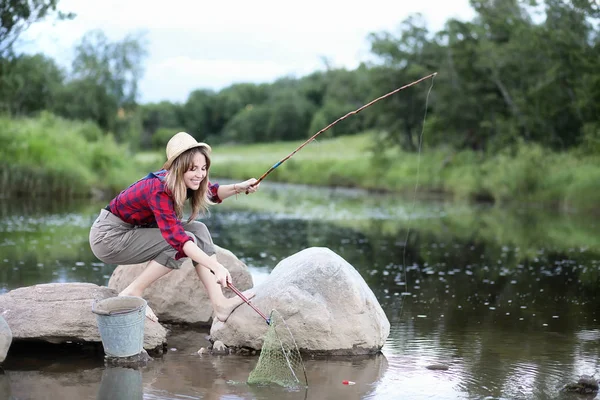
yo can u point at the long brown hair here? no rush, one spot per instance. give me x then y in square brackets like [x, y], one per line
[176, 185]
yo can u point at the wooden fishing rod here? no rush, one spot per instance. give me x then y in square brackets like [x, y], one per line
[335, 122]
[241, 295]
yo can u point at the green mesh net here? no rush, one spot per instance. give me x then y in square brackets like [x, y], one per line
[280, 361]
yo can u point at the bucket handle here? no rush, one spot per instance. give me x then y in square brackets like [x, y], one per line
[116, 312]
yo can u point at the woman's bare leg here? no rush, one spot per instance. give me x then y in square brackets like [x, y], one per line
[222, 305]
[149, 275]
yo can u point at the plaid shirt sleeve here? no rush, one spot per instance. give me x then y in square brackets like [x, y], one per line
[170, 226]
[213, 192]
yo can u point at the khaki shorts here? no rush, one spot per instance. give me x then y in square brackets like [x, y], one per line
[116, 242]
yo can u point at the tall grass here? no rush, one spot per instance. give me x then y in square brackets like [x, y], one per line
[527, 174]
[49, 156]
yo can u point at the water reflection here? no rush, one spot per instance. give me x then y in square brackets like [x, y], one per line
[506, 299]
[5, 391]
[182, 373]
[121, 384]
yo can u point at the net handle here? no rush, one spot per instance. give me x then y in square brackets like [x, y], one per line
[241, 295]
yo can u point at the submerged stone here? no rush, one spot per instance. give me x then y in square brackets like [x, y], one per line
[585, 385]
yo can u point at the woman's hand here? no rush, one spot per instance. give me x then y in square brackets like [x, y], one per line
[222, 274]
[247, 186]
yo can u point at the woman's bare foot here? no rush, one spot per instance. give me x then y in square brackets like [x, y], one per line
[222, 311]
[149, 313]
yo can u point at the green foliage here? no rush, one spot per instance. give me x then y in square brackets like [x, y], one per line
[343, 91]
[284, 116]
[290, 116]
[86, 100]
[196, 114]
[330, 112]
[115, 66]
[102, 87]
[49, 156]
[515, 176]
[515, 99]
[581, 186]
[591, 139]
[162, 136]
[17, 15]
[158, 118]
[28, 84]
[460, 176]
[248, 125]
[233, 99]
[491, 91]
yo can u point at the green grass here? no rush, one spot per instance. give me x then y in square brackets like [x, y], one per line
[50, 156]
[529, 174]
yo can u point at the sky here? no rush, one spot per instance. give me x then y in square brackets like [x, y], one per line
[199, 44]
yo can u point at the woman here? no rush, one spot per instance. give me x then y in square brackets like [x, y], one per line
[143, 224]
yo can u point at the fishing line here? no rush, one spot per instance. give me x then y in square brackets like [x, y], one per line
[404, 266]
[280, 359]
[277, 164]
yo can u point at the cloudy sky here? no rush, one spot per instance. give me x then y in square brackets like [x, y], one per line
[213, 44]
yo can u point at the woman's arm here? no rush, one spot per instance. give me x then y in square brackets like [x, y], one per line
[195, 253]
[226, 191]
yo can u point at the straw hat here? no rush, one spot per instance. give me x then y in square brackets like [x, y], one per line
[180, 143]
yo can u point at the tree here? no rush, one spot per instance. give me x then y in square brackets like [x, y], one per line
[17, 15]
[344, 91]
[197, 114]
[103, 85]
[28, 84]
[116, 66]
[403, 59]
[503, 78]
[248, 125]
[233, 99]
[84, 99]
[164, 116]
[290, 116]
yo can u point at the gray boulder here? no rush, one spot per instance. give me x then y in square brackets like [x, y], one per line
[179, 297]
[326, 304]
[5, 338]
[62, 312]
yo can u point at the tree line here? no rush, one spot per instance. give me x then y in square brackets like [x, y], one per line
[519, 71]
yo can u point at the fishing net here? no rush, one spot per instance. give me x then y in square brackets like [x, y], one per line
[280, 361]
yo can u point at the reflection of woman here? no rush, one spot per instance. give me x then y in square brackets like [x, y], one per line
[143, 223]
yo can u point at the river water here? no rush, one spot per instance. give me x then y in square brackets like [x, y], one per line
[505, 299]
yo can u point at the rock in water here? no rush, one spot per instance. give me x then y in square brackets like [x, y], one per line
[5, 339]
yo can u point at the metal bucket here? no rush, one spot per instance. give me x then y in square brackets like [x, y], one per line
[121, 325]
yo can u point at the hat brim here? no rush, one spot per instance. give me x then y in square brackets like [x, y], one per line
[170, 161]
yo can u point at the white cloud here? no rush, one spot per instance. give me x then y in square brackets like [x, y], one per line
[202, 44]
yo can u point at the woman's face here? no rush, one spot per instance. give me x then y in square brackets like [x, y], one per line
[194, 176]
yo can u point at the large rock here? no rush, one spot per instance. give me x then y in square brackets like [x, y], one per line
[5, 338]
[325, 302]
[62, 312]
[179, 297]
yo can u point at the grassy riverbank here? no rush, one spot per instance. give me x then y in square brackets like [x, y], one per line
[51, 156]
[528, 174]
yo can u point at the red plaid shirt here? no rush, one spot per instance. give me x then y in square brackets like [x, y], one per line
[148, 203]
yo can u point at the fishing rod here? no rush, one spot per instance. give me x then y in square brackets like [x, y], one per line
[335, 122]
[245, 299]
